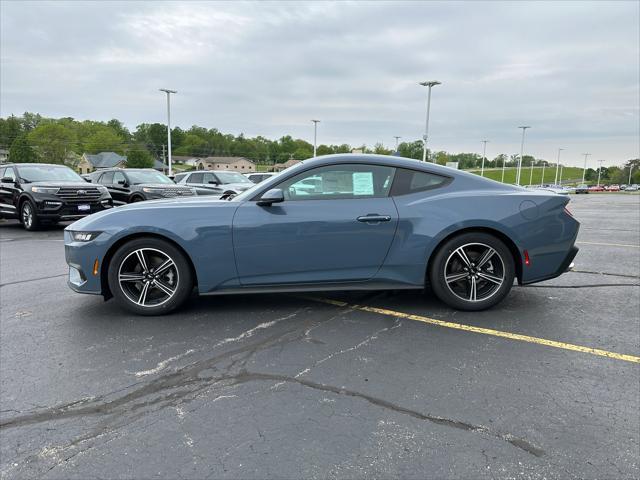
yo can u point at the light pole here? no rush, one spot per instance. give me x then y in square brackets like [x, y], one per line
[630, 170]
[169, 92]
[599, 170]
[484, 154]
[504, 161]
[429, 84]
[561, 167]
[531, 174]
[555, 182]
[584, 170]
[524, 129]
[315, 136]
[544, 164]
[397, 138]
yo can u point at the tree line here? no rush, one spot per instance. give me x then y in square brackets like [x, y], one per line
[32, 138]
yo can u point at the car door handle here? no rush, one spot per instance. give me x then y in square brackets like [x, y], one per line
[374, 218]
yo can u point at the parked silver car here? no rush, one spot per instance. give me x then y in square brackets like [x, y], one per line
[215, 182]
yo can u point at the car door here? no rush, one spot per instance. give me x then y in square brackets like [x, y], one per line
[121, 189]
[339, 232]
[8, 191]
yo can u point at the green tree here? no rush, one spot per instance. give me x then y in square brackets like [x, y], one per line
[104, 139]
[10, 129]
[21, 151]
[139, 157]
[52, 142]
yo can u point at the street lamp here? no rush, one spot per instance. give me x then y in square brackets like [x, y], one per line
[630, 170]
[561, 167]
[315, 136]
[599, 170]
[584, 170]
[484, 154]
[557, 166]
[544, 164]
[504, 161]
[397, 138]
[169, 92]
[524, 129]
[429, 84]
[531, 174]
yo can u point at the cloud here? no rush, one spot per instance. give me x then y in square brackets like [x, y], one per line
[568, 69]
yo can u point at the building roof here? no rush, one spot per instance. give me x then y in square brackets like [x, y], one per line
[225, 159]
[104, 159]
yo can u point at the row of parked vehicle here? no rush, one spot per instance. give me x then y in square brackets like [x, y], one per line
[606, 188]
[36, 193]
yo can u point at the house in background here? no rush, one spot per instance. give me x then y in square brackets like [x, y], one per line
[4, 155]
[235, 164]
[186, 160]
[278, 167]
[89, 163]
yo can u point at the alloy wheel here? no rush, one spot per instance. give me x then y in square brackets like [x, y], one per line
[148, 277]
[474, 272]
[27, 215]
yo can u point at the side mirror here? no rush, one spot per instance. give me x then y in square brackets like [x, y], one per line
[275, 195]
[7, 180]
[122, 182]
[88, 180]
[213, 182]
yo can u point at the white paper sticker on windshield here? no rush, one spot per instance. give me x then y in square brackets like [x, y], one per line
[362, 183]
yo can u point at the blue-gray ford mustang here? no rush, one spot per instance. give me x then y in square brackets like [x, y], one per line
[338, 222]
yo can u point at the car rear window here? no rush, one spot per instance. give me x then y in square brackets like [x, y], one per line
[411, 181]
[196, 178]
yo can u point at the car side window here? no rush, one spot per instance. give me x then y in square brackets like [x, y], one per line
[106, 178]
[209, 178]
[119, 177]
[195, 178]
[348, 181]
[1, 172]
[10, 173]
[411, 181]
[179, 177]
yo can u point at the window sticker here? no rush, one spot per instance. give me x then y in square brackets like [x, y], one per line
[362, 183]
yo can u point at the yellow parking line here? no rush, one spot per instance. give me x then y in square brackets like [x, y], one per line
[484, 331]
[610, 244]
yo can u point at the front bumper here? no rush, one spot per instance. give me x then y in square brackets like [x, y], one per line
[55, 210]
[81, 257]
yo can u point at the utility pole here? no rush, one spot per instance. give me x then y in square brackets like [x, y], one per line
[164, 155]
[584, 169]
[169, 92]
[315, 136]
[555, 182]
[430, 85]
[599, 170]
[484, 154]
[524, 129]
[397, 138]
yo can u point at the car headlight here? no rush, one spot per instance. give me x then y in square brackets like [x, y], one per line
[84, 236]
[51, 190]
[152, 190]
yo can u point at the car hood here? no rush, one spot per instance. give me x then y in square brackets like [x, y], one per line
[238, 186]
[114, 215]
[54, 183]
[160, 185]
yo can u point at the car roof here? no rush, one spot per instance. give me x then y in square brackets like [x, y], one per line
[26, 164]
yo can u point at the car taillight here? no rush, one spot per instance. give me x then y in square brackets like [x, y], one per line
[568, 212]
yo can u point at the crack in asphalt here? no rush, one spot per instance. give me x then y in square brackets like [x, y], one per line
[32, 280]
[610, 274]
[587, 286]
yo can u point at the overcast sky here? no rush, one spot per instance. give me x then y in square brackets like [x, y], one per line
[570, 70]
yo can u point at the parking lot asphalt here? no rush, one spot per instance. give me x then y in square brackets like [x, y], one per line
[348, 385]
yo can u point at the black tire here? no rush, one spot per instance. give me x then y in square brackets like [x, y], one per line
[479, 283]
[177, 277]
[28, 216]
[136, 198]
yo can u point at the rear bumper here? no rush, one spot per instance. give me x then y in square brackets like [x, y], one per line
[565, 266]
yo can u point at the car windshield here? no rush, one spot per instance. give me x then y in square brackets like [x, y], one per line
[232, 177]
[48, 173]
[147, 176]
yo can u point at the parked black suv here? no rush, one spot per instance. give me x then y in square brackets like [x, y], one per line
[127, 185]
[35, 193]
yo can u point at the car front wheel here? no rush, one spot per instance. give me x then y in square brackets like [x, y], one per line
[149, 276]
[473, 271]
[28, 216]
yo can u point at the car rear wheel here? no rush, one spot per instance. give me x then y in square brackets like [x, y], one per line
[149, 276]
[473, 271]
[28, 216]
